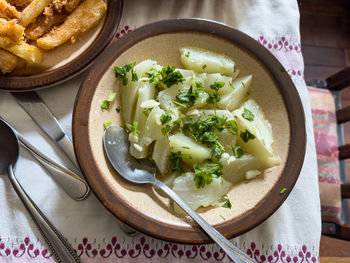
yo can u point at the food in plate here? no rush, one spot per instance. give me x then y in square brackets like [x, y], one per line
[26, 26]
[198, 124]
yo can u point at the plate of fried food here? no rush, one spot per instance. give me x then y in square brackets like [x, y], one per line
[45, 42]
[215, 112]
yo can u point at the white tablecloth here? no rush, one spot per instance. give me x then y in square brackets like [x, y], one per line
[292, 234]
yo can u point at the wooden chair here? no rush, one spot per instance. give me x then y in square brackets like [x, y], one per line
[338, 227]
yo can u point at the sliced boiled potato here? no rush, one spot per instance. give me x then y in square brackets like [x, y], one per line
[161, 153]
[168, 96]
[140, 148]
[185, 187]
[153, 126]
[217, 77]
[181, 143]
[129, 93]
[234, 98]
[201, 60]
[227, 139]
[261, 145]
[234, 170]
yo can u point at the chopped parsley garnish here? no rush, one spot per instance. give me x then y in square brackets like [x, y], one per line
[222, 217]
[248, 115]
[120, 72]
[134, 76]
[283, 191]
[205, 172]
[165, 78]
[214, 96]
[187, 97]
[175, 162]
[171, 128]
[165, 117]
[231, 85]
[187, 54]
[217, 85]
[247, 135]
[205, 131]
[132, 128]
[106, 103]
[117, 108]
[107, 124]
[227, 203]
[185, 147]
[237, 151]
[147, 111]
[204, 66]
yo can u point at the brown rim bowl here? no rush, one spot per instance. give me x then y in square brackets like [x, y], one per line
[68, 60]
[141, 206]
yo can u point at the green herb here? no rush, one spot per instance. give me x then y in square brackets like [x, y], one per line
[206, 131]
[120, 72]
[147, 111]
[243, 84]
[217, 85]
[164, 78]
[107, 124]
[171, 128]
[214, 96]
[132, 128]
[283, 190]
[117, 108]
[187, 54]
[205, 172]
[106, 103]
[248, 115]
[204, 66]
[237, 151]
[231, 126]
[231, 85]
[185, 147]
[165, 117]
[222, 217]
[178, 103]
[187, 156]
[134, 76]
[227, 203]
[187, 97]
[175, 162]
[247, 135]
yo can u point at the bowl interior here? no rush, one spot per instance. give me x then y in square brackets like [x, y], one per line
[143, 199]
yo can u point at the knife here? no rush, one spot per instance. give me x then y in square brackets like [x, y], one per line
[41, 114]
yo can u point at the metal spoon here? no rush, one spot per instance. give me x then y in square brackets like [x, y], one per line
[117, 148]
[9, 151]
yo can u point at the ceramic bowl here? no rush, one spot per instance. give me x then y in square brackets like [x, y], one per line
[66, 61]
[146, 209]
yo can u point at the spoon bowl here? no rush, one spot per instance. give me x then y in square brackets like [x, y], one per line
[116, 146]
[9, 152]
[9, 147]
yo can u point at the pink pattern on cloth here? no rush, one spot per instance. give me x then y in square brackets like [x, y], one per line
[288, 52]
[143, 248]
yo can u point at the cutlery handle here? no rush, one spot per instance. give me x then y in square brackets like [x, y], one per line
[71, 183]
[58, 245]
[233, 252]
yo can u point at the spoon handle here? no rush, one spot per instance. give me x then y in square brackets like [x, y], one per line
[58, 245]
[233, 252]
[70, 182]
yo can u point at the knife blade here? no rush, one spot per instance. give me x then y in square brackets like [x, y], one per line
[42, 115]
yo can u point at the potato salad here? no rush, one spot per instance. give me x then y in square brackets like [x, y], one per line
[197, 123]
